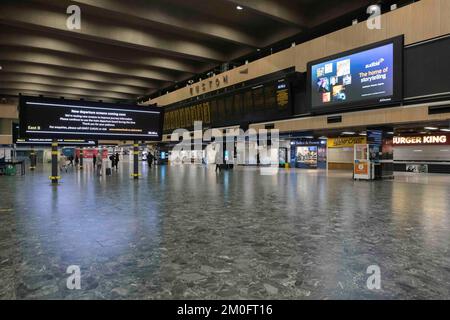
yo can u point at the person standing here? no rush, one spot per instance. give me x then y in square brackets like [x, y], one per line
[63, 163]
[218, 159]
[116, 160]
[99, 161]
[94, 160]
[150, 159]
[77, 161]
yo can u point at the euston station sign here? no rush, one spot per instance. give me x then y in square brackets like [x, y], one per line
[208, 84]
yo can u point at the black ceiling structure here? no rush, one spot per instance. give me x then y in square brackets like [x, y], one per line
[134, 50]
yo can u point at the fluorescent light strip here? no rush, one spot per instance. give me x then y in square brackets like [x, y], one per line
[84, 107]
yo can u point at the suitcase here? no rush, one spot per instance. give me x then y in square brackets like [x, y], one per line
[108, 171]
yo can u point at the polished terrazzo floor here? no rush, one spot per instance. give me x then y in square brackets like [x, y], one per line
[187, 232]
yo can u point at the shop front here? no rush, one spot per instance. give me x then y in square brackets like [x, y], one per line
[308, 153]
[422, 153]
[340, 152]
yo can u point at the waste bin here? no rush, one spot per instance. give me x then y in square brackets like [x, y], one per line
[10, 170]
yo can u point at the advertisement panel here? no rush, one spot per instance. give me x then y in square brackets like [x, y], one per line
[360, 77]
[306, 157]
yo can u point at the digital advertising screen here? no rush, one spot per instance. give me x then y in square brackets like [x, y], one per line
[78, 119]
[361, 77]
[306, 157]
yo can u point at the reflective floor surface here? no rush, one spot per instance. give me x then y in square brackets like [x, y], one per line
[188, 232]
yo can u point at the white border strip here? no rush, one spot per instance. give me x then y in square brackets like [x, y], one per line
[96, 133]
[84, 107]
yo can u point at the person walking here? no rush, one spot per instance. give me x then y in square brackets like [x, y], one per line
[99, 161]
[112, 158]
[94, 160]
[63, 163]
[71, 160]
[150, 159]
[77, 161]
[116, 160]
[218, 159]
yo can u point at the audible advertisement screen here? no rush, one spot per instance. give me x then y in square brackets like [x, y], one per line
[366, 75]
[59, 119]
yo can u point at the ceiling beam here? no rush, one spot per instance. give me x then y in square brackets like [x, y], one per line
[60, 90]
[334, 12]
[70, 83]
[12, 36]
[17, 92]
[159, 13]
[103, 30]
[72, 73]
[274, 10]
[88, 64]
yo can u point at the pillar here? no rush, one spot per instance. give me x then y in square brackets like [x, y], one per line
[381, 138]
[81, 158]
[135, 160]
[54, 177]
[33, 159]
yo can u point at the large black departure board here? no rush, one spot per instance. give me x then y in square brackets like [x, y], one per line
[51, 118]
[257, 103]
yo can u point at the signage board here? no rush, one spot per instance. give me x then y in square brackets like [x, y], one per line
[345, 142]
[46, 118]
[47, 142]
[435, 139]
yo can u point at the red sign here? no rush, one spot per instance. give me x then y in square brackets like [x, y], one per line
[91, 153]
[432, 139]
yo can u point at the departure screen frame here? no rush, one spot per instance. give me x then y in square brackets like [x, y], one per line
[148, 113]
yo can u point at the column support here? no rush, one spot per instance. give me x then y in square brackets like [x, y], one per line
[81, 158]
[33, 159]
[54, 177]
[135, 174]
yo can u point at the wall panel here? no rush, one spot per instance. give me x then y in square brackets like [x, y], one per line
[5, 139]
[445, 16]
[9, 111]
[395, 115]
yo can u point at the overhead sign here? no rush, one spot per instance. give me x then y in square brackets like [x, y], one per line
[440, 139]
[47, 142]
[208, 85]
[345, 142]
[72, 119]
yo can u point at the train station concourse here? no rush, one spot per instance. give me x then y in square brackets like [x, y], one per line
[224, 150]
